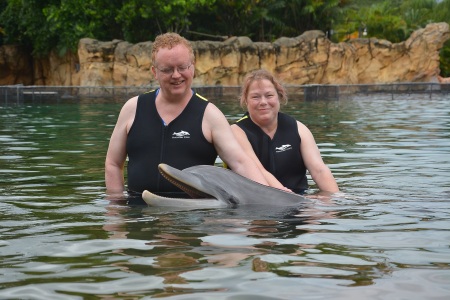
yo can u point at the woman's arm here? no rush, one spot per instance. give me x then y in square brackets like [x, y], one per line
[310, 152]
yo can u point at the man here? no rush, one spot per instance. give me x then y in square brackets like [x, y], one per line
[171, 125]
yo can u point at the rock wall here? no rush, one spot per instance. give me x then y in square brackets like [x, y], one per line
[15, 66]
[307, 59]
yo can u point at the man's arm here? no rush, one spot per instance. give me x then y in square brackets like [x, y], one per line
[247, 147]
[116, 155]
[218, 131]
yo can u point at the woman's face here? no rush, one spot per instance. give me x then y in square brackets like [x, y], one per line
[263, 103]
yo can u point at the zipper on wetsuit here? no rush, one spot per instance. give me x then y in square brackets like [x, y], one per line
[165, 128]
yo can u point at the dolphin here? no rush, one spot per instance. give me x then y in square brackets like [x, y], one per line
[211, 186]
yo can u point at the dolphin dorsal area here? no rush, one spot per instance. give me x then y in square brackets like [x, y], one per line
[211, 186]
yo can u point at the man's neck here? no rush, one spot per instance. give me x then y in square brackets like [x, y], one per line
[171, 107]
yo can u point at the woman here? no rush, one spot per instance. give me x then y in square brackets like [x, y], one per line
[282, 147]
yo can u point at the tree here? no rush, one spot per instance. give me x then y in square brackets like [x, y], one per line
[59, 24]
[266, 20]
[23, 23]
[381, 19]
[442, 14]
[71, 20]
[46, 25]
[142, 20]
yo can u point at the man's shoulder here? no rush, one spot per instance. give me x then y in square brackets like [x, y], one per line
[201, 97]
[131, 102]
[148, 94]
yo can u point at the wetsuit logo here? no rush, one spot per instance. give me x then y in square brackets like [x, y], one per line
[283, 148]
[181, 135]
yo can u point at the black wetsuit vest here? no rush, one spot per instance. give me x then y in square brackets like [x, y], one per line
[280, 156]
[180, 144]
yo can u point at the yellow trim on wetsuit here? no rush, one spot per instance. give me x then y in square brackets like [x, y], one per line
[201, 97]
[243, 118]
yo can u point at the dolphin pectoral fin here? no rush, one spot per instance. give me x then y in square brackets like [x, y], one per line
[156, 200]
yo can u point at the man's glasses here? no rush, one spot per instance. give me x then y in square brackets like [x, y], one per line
[169, 71]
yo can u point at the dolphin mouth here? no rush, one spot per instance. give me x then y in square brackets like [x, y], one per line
[184, 182]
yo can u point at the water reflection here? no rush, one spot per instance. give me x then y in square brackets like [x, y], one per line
[187, 242]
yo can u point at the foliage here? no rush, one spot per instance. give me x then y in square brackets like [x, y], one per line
[46, 25]
[142, 20]
[381, 19]
[267, 20]
[442, 13]
[69, 21]
[445, 60]
[22, 19]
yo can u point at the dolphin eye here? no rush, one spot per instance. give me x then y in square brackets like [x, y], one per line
[230, 198]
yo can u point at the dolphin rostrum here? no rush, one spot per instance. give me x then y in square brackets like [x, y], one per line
[211, 186]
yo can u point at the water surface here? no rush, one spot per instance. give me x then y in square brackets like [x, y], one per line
[385, 236]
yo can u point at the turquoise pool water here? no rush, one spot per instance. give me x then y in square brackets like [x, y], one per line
[385, 236]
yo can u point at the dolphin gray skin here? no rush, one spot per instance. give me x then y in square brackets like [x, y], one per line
[211, 187]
